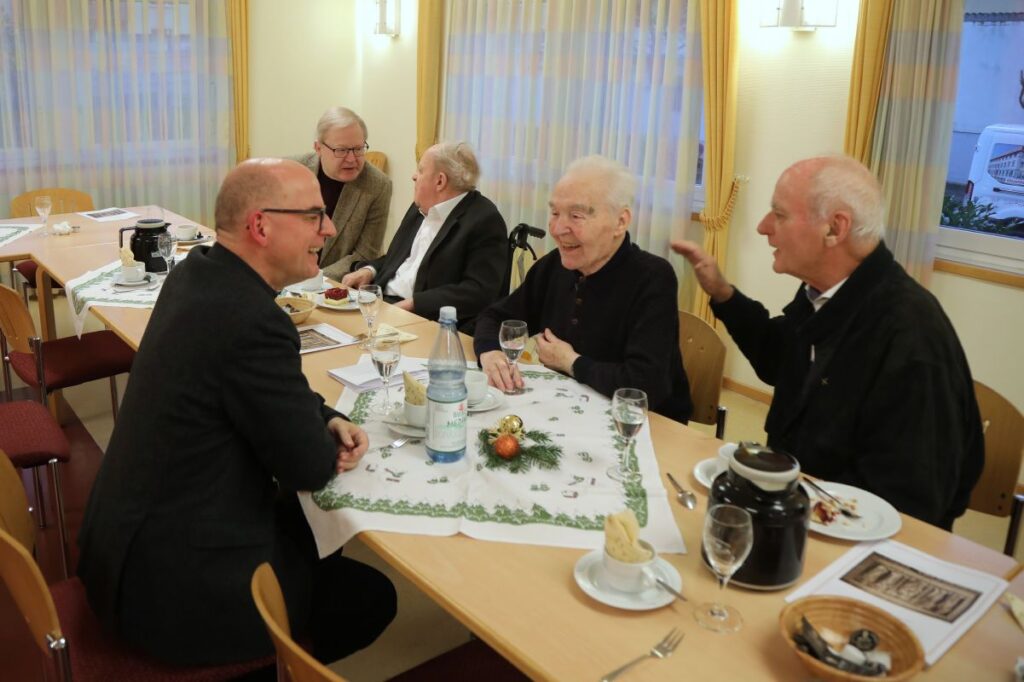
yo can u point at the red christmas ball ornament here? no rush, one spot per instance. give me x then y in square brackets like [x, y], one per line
[506, 446]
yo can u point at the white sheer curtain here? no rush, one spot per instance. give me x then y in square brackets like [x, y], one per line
[128, 100]
[535, 84]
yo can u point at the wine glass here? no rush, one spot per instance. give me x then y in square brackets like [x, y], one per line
[165, 247]
[370, 300]
[385, 351]
[43, 205]
[512, 337]
[629, 411]
[728, 537]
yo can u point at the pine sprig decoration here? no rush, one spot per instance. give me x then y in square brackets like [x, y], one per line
[542, 453]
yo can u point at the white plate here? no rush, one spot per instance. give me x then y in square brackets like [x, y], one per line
[148, 278]
[200, 239]
[492, 400]
[348, 304]
[879, 519]
[396, 422]
[707, 470]
[589, 574]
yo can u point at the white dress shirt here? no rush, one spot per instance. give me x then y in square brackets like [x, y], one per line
[405, 278]
[819, 298]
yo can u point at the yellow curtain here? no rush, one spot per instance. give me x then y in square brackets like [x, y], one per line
[719, 39]
[430, 41]
[866, 78]
[238, 35]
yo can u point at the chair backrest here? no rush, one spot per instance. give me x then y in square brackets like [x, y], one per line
[25, 582]
[64, 201]
[378, 159]
[292, 659]
[704, 361]
[15, 517]
[15, 321]
[1004, 444]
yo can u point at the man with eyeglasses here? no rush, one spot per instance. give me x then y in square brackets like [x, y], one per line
[356, 195]
[217, 431]
[451, 247]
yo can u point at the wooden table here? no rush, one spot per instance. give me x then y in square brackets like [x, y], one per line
[522, 599]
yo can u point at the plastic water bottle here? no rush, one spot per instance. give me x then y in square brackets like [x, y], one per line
[446, 393]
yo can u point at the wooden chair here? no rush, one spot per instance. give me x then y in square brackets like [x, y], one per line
[64, 201]
[997, 491]
[293, 662]
[704, 361]
[378, 159]
[15, 514]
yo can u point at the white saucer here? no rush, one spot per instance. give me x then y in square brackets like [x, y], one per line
[589, 574]
[707, 470]
[878, 520]
[148, 278]
[396, 422]
[348, 304]
[200, 239]
[492, 400]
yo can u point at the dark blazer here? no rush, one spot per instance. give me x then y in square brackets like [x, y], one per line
[464, 266]
[216, 419]
[360, 217]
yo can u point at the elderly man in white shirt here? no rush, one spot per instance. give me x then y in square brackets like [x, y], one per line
[451, 247]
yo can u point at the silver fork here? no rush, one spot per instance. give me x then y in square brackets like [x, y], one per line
[399, 442]
[845, 510]
[662, 649]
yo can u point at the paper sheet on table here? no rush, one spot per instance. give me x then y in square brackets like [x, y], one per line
[12, 231]
[106, 215]
[314, 337]
[363, 375]
[403, 491]
[938, 600]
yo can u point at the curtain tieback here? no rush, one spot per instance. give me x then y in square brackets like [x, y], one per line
[719, 222]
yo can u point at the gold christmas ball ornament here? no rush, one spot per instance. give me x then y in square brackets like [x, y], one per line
[510, 424]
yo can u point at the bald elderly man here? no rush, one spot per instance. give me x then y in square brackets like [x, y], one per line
[872, 387]
[217, 431]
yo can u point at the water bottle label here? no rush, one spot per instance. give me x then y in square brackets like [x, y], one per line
[446, 426]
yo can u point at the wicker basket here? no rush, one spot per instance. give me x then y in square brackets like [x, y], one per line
[845, 615]
[302, 308]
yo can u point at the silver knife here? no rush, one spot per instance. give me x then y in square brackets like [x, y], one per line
[669, 588]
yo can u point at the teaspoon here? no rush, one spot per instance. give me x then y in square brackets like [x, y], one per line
[684, 496]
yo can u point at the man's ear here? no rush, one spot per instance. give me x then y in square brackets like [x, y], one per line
[839, 224]
[442, 181]
[258, 227]
[625, 218]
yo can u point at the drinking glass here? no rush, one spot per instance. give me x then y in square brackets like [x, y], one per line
[385, 351]
[370, 300]
[165, 247]
[512, 337]
[728, 537]
[629, 411]
[43, 205]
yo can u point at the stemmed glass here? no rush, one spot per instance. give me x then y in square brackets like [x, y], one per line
[512, 337]
[629, 411]
[728, 537]
[370, 300]
[385, 351]
[43, 205]
[165, 247]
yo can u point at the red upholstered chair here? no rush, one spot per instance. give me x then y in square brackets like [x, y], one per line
[32, 438]
[64, 201]
[66, 630]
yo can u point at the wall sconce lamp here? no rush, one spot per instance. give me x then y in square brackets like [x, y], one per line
[799, 15]
[386, 18]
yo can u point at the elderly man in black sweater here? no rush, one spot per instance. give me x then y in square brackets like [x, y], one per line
[603, 310]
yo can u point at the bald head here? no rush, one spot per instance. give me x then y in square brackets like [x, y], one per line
[840, 183]
[250, 185]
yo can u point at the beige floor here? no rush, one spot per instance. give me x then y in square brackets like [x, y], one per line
[422, 629]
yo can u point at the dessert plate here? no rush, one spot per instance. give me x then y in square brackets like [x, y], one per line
[492, 400]
[589, 574]
[148, 278]
[878, 520]
[396, 422]
[347, 304]
[707, 470]
[200, 239]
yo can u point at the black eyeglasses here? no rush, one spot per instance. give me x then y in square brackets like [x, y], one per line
[342, 152]
[321, 212]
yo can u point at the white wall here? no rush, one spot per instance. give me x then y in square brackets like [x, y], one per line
[792, 93]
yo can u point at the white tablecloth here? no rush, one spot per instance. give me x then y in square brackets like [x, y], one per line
[12, 232]
[97, 287]
[403, 491]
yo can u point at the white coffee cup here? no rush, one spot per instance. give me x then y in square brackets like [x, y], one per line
[415, 415]
[314, 283]
[476, 386]
[185, 232]
[134, 272]
[628, 576]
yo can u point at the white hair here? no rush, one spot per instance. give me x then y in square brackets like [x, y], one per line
[458, 162]
[843, 183]
[620, 187]
[338, 117]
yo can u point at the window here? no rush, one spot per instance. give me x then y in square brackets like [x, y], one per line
[983, 207]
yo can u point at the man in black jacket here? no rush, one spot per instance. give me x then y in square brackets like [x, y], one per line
[217, 431]
[871, 385]
[451, 248]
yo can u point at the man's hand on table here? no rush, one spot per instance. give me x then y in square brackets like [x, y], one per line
[499, 374]
[352, 443]
[354, 280]
[555, 353]
[404, 304]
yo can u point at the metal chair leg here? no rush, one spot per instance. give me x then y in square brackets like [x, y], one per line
[40, 502]
[113, 396]
[62, 529]
[6, 362]
[1011, 533]
[720, 415]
